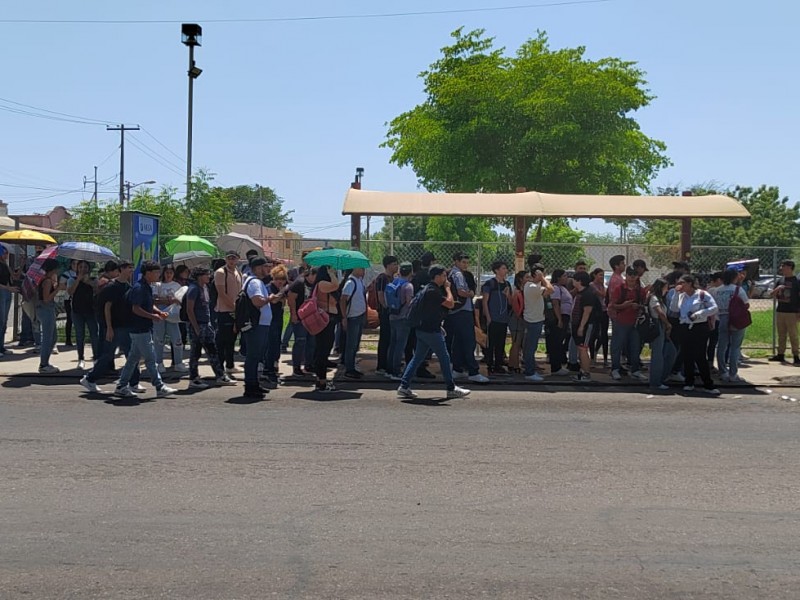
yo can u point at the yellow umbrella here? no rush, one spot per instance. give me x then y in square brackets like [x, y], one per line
[26, 236]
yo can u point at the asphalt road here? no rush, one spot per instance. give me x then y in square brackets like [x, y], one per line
[508, 494]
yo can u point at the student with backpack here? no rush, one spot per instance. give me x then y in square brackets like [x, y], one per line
[426, 312]
[496, 293]
[202, 335]
[324, 294]
[377, 290]
[353, 308]
[730, 298]
[662, 348]
[399, 294]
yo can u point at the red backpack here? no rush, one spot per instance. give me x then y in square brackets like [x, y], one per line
[738, 314]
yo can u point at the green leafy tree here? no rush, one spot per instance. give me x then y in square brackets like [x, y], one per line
[249, 202]
[543, 119]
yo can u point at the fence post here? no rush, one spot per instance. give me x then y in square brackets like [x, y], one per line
[774, 300]
[480, 265]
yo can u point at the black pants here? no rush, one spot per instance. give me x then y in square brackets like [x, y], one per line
[694, 342]
[384, 339]
[496, 351]
[322, 348]
[713, 340]
[68, 326]
[600, 335]
[554, 341]
[226, 339]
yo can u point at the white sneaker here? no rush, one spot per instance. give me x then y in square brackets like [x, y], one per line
[124, 392]
[711, 392]
[137, 389]
[81, 365]
[55, 350]
[165, 391]
[639, 375]
[198, 384]
[49, 369]
[406, 393]
[534, 377]
[161, 368]
[688, 388]
[478, 378]
[677, 378]
[90, 386]
[615, 375]
[458, 392]
[458, 374]
[225, 380]
[562, 372]
[180, 368]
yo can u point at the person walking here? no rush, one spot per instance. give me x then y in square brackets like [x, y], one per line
[390, 267]
[164, 293]
[436, 301]
[140, 298]
[662, 349]
[401, 326]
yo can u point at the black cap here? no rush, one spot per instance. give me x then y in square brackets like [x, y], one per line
[257, 262]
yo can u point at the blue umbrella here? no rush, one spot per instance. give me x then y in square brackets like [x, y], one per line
[88, 251]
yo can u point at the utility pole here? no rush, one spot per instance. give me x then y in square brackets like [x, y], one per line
[261, 216]
[85, 181]
[122, 129]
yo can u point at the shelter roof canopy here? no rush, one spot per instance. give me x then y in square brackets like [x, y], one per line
[537, 204]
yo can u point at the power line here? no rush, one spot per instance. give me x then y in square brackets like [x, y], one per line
[54, 112]
[180, 158]
[147, 153]
[420, 13]
[159, 155]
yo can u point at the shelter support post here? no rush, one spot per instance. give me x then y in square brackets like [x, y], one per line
[686, 239]
[519, 243]
[355, 231]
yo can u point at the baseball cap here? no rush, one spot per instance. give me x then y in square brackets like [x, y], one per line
[257, 262]
[231, 253]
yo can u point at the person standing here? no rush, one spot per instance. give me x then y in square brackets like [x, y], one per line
[436, 301]
[533, 314]
[164, 293]
[662, 349]
[256, 336]
[584, 318]
[459, 323]
[325, 287]
[6, 290]
[353, 308]
[140, 298]
[302, 349]
[81, 289]
[600, 341]
[787, 293]
[228, 284]
[729, 346]
[625, 301]
[277, 289]
[558, 333]
[201, 332]
[401, 326]
[68, 276]
[46, 314]
[114, 314]
[390, 267]
[497, 310]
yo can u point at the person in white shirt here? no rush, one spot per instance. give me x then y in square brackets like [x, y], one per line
[164, 292]
[730, 340]
[353, 308]
[258, 334]
[695, 307]
[533, 315]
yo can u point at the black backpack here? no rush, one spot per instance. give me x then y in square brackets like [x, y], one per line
[184, 314]
[245, 313]
[415, 308]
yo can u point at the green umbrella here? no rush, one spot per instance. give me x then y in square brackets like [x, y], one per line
[338, 259]
[188, 243]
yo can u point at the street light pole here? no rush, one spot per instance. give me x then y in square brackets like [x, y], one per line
[191, 34]
[130, 185]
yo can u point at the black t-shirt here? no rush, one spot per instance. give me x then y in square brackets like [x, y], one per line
[298, 287]
[83, 299]
[585, 298]
[432, 310]
[141, 295]
[5, 274]
[114, 293]
[421, 279]
[277, 308]
[202, 307]
[381, 281]
[789, 298]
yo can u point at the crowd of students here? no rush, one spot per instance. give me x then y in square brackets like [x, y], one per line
[423, 309]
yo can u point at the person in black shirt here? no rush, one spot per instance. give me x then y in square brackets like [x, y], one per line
[81, 289]
[437, 299]
[585, 314]
[787, 293]
[303, 347]
[6, 289]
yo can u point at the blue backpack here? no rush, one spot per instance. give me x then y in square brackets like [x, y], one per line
[392, 294]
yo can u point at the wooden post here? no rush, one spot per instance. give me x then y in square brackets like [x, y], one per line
[355, 232]
[686, 239]
[519, 238]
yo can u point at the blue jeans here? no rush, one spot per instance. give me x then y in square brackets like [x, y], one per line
[532, 335]
[662, 358]
[26, 330]
[355, 327]
[141, 348]
[460, 329]
[625, 336]
[273, 350]
[730, 343]
[46, 315]
[287, 335]
[161, 329]
[82, 322]
[401, 328]
[105, 363]
[299, 357]
[427, 341]
[5, 306]
[256, 339]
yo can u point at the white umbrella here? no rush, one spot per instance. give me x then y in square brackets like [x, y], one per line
[240, 243]
[191, 259]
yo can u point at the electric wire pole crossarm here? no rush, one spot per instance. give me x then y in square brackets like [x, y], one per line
[122, 129]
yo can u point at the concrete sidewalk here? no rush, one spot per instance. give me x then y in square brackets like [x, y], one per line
[757, 372]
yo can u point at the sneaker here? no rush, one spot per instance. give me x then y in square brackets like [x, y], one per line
[615, 375]
[254, 393]
[137, 389]
[395, 377]
[355, 374]
[534, 377]
[49, 369]
[639, 375]
[161, 368]
[425, 374]
[581, 378]
[198, 384]
[90, 386]
[124, 392]
[266, 382]
[711, 391]
[458, 374]
[688, 388]
[81, 365]
[796, 360]
[777, 358]
[298, 373]
[284, 349]
[55, 350]
[35, 350]
[387, 374]
[180, 368]
[737, 379]
[225, 380]
[478, 378]
[677, 378]
[499, 371]
[165, 391]
[663, 387]
[406, 393]
[725, 377]
[233, 370]
[574, 367]
[562, 372]
[458, 392]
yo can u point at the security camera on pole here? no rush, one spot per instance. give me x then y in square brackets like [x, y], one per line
[191, 34]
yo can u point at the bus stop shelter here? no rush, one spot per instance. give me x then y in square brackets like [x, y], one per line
[522, 206]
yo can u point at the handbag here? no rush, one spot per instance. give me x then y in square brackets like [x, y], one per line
[646, 326]
[313, 318]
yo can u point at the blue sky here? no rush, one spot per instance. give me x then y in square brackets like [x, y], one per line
[297, 105]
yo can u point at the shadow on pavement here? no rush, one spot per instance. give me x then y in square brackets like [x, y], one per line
[336, 396]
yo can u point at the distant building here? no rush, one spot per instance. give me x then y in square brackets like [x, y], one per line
[6, 222]
[277, 243]
[47, 222]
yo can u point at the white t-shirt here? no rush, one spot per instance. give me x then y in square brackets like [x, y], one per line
[357, 303]
[256, 287]
[534, 302]
[162, 288]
